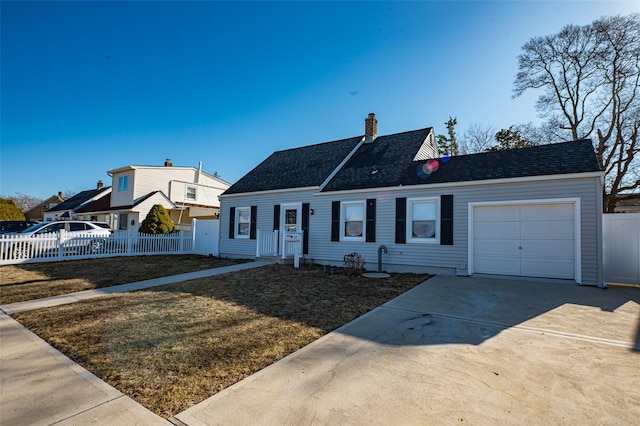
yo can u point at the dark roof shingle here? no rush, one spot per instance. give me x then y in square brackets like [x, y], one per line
[395, 165]
[295, 168]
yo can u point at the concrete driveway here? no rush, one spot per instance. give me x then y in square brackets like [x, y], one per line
[453, 351]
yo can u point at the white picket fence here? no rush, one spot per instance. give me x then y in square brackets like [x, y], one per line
[60, 246]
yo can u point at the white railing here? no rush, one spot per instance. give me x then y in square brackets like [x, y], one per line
[267, 243]
[292, 244]
[61, 246]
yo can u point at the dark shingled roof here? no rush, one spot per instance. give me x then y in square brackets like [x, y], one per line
[295, 168]
[392, 157]
[77, 200]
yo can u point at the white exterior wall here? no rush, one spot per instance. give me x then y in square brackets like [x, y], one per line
[122, 198]
[172, 181]
[422, 257]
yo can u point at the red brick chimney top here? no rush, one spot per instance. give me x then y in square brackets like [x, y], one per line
[168, 163]
[370, 128]
[100, 184]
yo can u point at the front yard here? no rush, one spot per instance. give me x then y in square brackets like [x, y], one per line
[37, 280]
[172, 346]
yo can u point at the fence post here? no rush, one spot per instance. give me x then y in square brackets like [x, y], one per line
[181, 243]
[129, 241]
[258, 241]
[61, 244]
[194, 224]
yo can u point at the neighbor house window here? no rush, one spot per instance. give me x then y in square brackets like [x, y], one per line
[243, 222]
[422, 214]
[123, 183]
[124, 218]
[191, 193]
[352, 223]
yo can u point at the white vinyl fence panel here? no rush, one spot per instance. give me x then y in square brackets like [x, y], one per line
[206, 236]
[60, 246]
[621, 247]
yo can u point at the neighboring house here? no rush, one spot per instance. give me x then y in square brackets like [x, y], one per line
[37, 212]
[186, 192]
[533, 212]
[67, 210]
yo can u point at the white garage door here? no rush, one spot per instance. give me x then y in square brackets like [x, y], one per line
[532, 240]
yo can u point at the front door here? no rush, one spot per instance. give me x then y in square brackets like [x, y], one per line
[290, 220]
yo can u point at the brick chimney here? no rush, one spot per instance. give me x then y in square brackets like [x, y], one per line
[100, 184]
[370, 128]
[168, 163]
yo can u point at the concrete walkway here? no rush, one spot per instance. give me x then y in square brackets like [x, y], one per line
[41, 386]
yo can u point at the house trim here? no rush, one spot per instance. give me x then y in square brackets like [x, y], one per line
[341, 165]
[464, 183]
[577, 226]
[271, 191]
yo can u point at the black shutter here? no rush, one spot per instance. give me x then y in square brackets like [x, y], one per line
[401, 220]
[371, 221]
[276, 217]
[305, 228]
[335, 221]
[446, 220]
[252, 223]
[232, 222]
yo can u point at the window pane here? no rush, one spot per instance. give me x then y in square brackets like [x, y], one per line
[424, 229]
[244, 215]
[243, 221]
[424, 211]
[191, 193]
[423, 220]
[291, 220]
[243, 229]
[353, 229]
[352, 213]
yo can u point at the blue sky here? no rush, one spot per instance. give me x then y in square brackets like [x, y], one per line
[86, 87]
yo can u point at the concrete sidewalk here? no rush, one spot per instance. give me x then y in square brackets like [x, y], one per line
[41, 386]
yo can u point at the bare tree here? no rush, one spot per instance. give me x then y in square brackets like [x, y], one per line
[24, 202]
[477, 138]
[589, 78]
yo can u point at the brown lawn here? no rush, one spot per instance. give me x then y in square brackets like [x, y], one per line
[173, 346]
[37, 280]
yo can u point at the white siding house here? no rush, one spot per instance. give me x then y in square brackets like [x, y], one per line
[186, 192]
[532, 212]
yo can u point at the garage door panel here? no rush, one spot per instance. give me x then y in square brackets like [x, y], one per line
[497, 213]
[496, 247]
[502, 265]
[547, 230]
[560, 249]
[545, 212]
[494, 230]
[546, 268]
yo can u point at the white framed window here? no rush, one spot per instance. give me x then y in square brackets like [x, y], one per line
[423, 217]
[243, 222]
[191, 193]
[352, 221]
[123, 183]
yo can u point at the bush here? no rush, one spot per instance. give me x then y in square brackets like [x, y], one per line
[9, 210]
[354, 263]
[157, 221]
